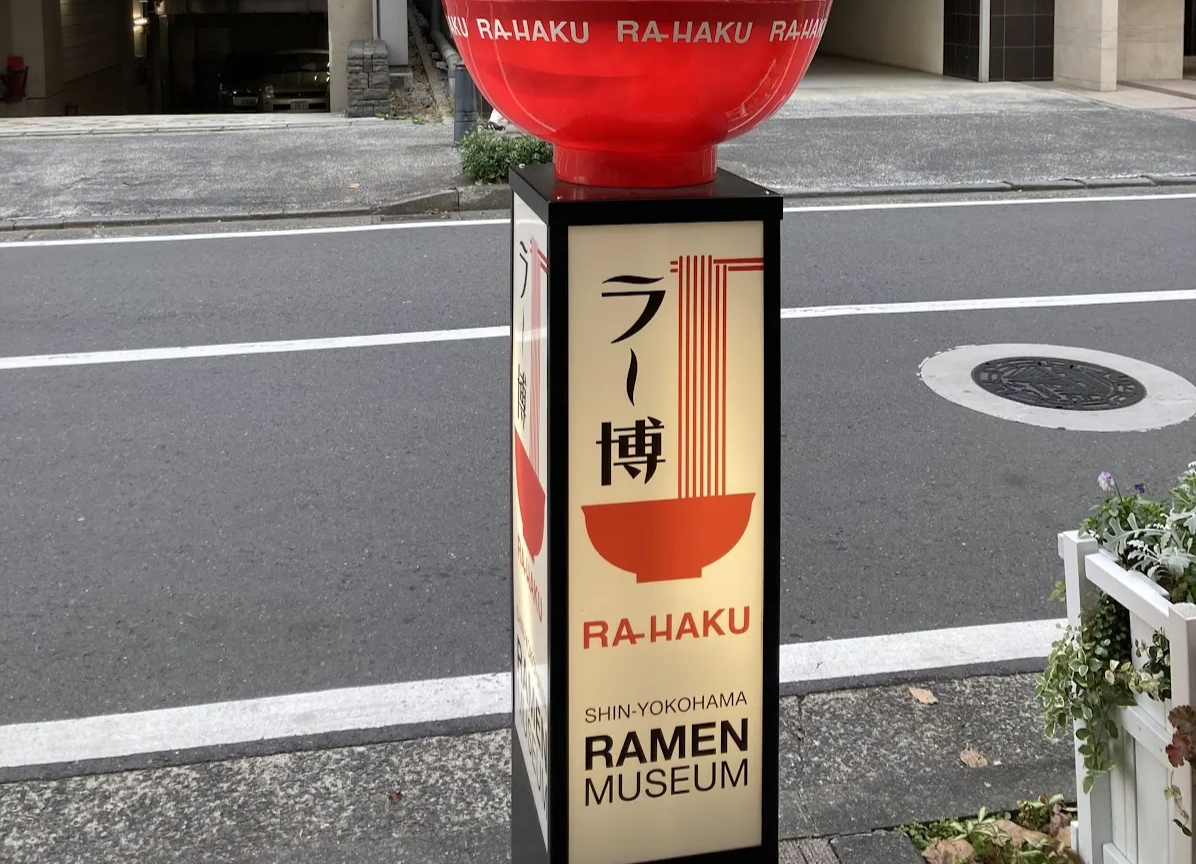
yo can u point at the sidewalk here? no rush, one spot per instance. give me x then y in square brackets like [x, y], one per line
[344, 167]
[853, 764]
[917, 134]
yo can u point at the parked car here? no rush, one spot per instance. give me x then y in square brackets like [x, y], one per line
[296, 81]
[241, 81]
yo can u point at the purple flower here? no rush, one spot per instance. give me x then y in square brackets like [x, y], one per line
[1105, 481]
[1140, 488]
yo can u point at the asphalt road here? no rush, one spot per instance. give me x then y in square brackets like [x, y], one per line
[186, 531]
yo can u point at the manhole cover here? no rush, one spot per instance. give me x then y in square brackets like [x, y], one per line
[1068, 385]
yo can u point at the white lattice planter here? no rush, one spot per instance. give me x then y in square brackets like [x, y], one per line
[1126, 819]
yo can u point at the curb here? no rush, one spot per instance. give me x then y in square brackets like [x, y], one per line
[464, 199]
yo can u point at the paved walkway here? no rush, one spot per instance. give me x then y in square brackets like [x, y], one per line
[139, 124]
[849, 126]
[851, 762]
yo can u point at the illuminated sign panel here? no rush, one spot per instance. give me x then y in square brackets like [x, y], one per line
[529, 504]
[645, 451]
[666, 552]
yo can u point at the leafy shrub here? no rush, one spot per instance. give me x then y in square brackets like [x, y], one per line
[487, 156]
[529, 150]
[1090, 671]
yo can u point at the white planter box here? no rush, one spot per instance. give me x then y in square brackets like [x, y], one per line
[1126, 819]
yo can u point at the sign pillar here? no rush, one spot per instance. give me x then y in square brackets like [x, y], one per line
[645, 410]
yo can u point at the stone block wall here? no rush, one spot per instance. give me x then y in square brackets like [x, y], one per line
[368, 78]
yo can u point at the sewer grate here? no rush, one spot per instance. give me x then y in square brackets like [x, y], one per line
[1067, 385]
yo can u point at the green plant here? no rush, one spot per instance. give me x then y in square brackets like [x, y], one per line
[1087, 675]
[487, 156]
[1089, 671]
[1154, 678]
[529, 150]
[1181, 749]
[1047, 815]
[1155, 538]
[998, 838]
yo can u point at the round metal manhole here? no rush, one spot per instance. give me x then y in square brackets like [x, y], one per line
[1064, 385]
[1074, 388]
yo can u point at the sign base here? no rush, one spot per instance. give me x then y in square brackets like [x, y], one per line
[645, 496]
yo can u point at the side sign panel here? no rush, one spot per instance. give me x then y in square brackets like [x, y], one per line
[529, 505]
[666, 540]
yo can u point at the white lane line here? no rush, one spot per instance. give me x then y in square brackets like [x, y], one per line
[419, 702]
[988, 303]
[250, 235]
[234, 348]
[918, 652]
[90, 358]
[987, 202]
[466, 223]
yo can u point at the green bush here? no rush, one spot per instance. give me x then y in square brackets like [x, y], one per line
[487, 156]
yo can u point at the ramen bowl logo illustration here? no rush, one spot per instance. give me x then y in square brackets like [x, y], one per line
[677, 537]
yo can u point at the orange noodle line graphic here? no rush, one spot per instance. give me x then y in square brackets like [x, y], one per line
[723, 390]
[712, 273]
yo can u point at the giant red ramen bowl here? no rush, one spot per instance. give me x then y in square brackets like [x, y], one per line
[637, 93]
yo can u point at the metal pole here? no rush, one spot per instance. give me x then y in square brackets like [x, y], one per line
[465, 104]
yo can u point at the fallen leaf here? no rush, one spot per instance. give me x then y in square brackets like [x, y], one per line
[973, 758]
[354, 185]
[1018, 835]
[923, 696]
[395, 796]
[949, 852]
[1060, 822]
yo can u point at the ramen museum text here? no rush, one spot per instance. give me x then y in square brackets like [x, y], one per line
[630, 756]
[638, 32]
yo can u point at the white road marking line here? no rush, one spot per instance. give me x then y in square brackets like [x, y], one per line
[466, 223]
[460, 335]
[921, 651]
[985, 202]
[250, 235]
[989, 303]
[235, 348]
[421, 702]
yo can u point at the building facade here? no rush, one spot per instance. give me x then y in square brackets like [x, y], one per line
[164, 56]
[1087, 43]
[156, 56]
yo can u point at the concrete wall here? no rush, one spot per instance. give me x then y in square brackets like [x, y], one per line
[97, 55]
[34, 33]
[348, 21]
[1086, 43]
[5, 30]
[103, 92]
[1150, 40]
[79, 53]
[906, 33]
[90, 41]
